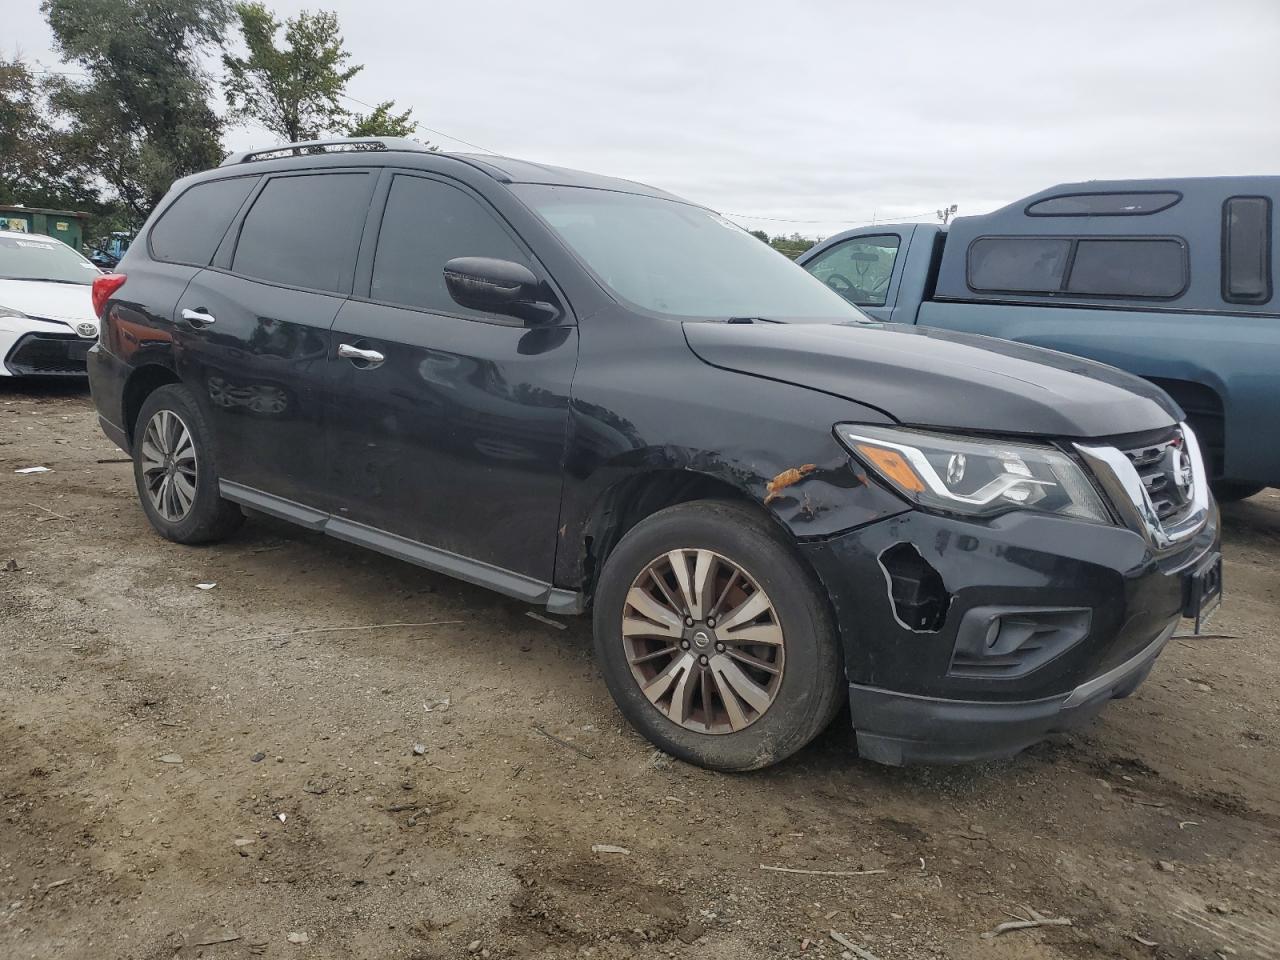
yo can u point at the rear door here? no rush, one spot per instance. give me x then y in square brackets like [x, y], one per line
[252, 330]
[455, 439]
[865, 270]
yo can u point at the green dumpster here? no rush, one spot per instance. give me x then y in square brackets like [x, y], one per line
[66, 225]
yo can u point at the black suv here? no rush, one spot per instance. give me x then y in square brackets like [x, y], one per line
[584, 392]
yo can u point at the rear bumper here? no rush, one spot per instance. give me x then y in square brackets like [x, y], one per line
[106, 385]
[900, 728]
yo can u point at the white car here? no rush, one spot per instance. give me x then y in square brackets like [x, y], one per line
[47, 323]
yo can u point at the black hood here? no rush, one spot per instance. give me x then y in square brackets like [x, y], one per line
[936, 378]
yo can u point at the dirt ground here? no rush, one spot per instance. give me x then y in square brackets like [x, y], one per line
[222, 773]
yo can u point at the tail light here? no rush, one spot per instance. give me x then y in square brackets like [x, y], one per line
[103, 287]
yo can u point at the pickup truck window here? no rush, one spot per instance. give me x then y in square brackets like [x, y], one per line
[1018, 264]
[1103, 204]
[1128, 268]
[1246, 250]
[859, 269]
[1142, 268]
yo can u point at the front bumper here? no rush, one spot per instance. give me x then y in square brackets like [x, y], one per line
[914, 698]
[47, 355]
[899, 728]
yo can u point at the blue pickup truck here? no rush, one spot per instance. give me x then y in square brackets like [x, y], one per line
[1168, 279]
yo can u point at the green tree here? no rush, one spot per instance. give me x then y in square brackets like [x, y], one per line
[294, 92]
[25, 132]
[382, 122]
[141, 117]
[760, 235]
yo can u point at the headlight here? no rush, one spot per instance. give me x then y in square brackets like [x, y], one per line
[980, 478]
[10, 312]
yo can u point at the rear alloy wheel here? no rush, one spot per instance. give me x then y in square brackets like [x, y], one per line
[169, 465]
[716, 641]
[176, 471]
[703, 641]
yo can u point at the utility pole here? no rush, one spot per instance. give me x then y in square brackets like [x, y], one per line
[946, 213]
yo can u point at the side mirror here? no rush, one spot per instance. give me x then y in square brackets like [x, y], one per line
[502, 287]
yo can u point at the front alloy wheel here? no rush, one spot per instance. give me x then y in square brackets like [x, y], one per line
[716, 640]
[169, 465]
[703, 641]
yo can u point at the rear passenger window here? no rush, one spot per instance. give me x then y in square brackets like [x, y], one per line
[303, 231]
[1129, 268]
[426, 224]
[190, 230]
[1018, 264]
[1246, 250]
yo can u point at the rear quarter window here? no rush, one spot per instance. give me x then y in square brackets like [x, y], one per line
[190, 230]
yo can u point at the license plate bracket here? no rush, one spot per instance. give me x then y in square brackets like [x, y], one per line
[1202, 590]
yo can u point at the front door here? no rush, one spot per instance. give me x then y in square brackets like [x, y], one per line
[455, 438]
[254, 333]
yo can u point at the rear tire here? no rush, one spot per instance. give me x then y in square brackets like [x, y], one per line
[1229, 491]
[780, 711]
[175, 470]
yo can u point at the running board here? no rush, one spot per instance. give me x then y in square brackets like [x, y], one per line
[478, 572]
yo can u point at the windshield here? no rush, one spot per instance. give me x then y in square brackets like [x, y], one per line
[674, 258]
[30, 257]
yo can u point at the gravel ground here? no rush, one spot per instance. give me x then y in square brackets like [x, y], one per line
[232, 772]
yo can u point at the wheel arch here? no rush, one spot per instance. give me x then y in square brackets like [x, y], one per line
[142, 382]
[1205, 409]
[630, 500]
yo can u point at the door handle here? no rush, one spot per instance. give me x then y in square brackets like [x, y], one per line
[199, 315]
[349, 352]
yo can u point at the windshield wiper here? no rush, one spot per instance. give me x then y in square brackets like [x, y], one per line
[47, 280]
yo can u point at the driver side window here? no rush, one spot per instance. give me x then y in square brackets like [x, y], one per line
[859, 269]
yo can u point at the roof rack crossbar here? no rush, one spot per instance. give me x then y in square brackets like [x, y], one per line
[336, 145]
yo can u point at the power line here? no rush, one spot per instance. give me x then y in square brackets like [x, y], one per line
[469, 143]
[420, 126]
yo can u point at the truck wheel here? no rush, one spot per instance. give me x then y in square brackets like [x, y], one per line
[175, 470]
[1229, 491]
[716, 642]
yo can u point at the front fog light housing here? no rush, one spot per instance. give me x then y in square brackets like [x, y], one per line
[974, 477]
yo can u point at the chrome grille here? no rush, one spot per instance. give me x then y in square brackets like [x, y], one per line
[1159, 466]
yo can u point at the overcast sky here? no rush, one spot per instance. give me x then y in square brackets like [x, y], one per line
[822, 111]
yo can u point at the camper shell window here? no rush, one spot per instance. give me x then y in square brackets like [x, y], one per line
[1144, 268]
[1246, 250]
[1104, 204]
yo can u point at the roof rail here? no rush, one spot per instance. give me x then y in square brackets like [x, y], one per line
[336, 145]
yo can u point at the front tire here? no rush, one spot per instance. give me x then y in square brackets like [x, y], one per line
[715, 640]
[175, 470]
